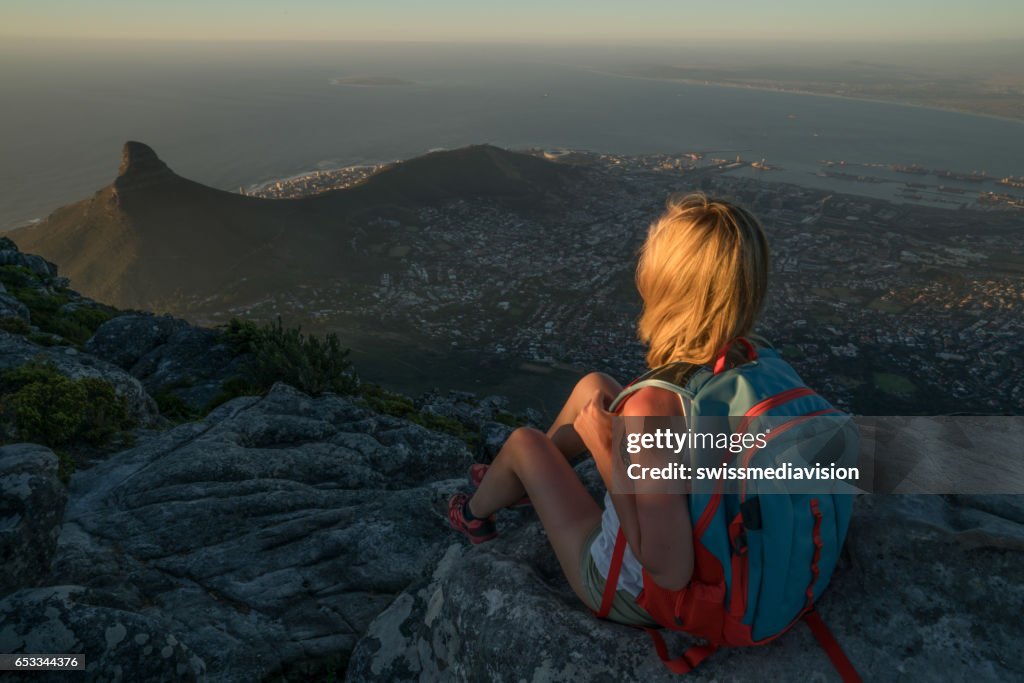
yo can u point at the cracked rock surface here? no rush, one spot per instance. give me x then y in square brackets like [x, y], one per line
[931, 588]
[272, 532]
[286, 530]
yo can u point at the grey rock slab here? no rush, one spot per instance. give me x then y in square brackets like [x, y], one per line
[280, 525]
[32, 500]
[119, 645]
[167, 355]
[931, 589]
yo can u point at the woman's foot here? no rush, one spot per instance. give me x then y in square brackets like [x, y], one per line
[460, 518]
[478, 470]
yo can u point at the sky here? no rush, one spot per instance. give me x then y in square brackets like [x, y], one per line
[627, 21]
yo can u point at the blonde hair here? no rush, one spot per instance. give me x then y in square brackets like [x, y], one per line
[703, 276]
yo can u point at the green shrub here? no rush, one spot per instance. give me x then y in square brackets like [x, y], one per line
[241, 335]
[15, 277]
[174, 407]
[65, 465]
[510, 420]
[43, 406]
[45, 339]
[15, 325]
[76, 326]
[80, 325]
[42, 304]
[46, 306]
[284, 354]
[387, 402]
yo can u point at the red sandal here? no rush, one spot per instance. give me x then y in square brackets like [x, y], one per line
[478, 530]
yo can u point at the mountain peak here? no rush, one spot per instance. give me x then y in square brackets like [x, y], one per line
[140, 167]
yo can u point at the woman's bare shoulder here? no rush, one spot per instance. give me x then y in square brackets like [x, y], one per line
[651, 401]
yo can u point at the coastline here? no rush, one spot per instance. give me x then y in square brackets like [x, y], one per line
[261, 185]
[260, 182]
[798, 91]
[253, 189]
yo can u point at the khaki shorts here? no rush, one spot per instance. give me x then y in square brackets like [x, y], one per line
[624, 608]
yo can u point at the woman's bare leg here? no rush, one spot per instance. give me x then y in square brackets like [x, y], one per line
[530, 463]
[562, 433]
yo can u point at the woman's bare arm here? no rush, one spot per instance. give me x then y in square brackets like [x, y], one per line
[657, 525]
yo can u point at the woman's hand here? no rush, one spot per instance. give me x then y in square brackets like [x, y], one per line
[594, 426]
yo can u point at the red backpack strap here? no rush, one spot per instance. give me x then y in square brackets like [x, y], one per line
[689, 660]
[720, 357]
[680, 665]
[831, 647]
[612, 581]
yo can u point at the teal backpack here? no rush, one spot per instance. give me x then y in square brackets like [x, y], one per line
[762, 555]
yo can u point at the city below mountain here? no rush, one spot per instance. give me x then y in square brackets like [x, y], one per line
[511, 273]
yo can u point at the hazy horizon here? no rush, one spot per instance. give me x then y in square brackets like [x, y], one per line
[1005, 54]
[237, 107]
[645, 21]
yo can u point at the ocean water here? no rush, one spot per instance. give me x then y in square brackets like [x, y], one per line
[241, 114]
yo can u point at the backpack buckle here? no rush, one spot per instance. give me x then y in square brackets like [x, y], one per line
[738, 535]
[739, 542]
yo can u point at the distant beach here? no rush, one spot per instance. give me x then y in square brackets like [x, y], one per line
[802, 91]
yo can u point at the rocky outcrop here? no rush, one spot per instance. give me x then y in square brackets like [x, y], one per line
[291, 534]
[124, 340]
[32, 501]
[168, 355]
[11, 256]
[10, 306]
[927, 591]
[299, 536]
[269, 534]
[25, 340]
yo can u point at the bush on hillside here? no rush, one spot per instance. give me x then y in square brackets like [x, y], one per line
[16, 277]
[315, 365]
[15, 325]
[39, 404]
[174, 407]
[277, 353]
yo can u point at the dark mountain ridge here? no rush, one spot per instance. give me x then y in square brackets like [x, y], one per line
[152, 239]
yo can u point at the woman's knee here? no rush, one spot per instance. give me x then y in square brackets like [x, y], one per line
[598, 381]
[527, 443]
[522, 438]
